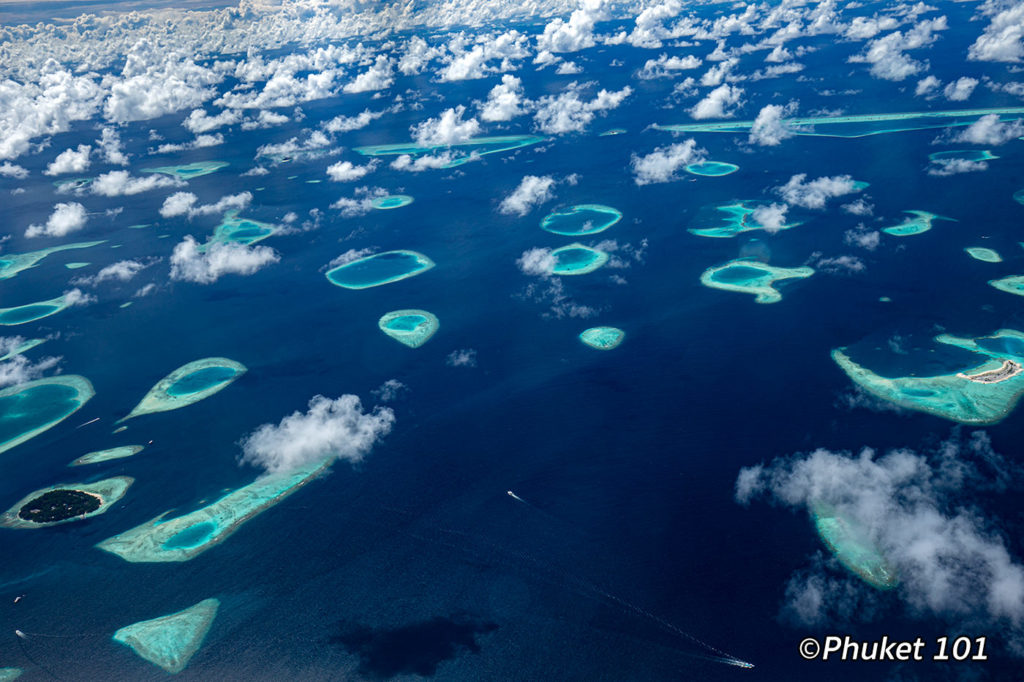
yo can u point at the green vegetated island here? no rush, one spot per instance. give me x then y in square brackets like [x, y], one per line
[581, 219]
[170, 641]
[64, 503]
[409, 327]
[856, 125]
[982, 394]
[752, 277]
[463, 152]
[184, 537]
[98, 456]
[738, 218]
[188, 384]
[28, 409]
[852, 546]
[13, 263]
[602, 338]
[919, 222]
[378, 269]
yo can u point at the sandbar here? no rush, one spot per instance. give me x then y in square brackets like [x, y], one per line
[170, 641]
[119, 452]
[189, 170]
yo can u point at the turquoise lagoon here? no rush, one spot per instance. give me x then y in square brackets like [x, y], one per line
[13, 263]
[738, 218]
[468, 150]
[170, 641]
[412, 328]
[188, 384]
[602, 338]
[712, 169]
[391, 201]
[189, 170]
[752, 277]
[28, 409]
[852, 546]
[378, 269]
[581, 219]
[918, 223]
[577, 259]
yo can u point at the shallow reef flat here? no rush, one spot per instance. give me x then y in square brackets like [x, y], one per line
[918, 223]
[185, 537]
[30, 312]
[966, 154]
[189, 170]
[98, 456]
[577, 259]
[738, 218]
[28, 409]
[851, 545]
[581, 219]
[378, 269]
[602, 338]
[468, 150]
[712, 169]
[188, 384]
[235, 230]
[26, 346]
[391, 201]
[752, 277]
[982, 394]
[410, 327]
[170, 641]
[983, 254]
[13, 263]
[65, 503]
[10, 674]
[1014, 284]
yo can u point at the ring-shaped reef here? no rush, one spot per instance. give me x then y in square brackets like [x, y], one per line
[738, 218]
[188, 384]
[391, 201]
[966, 154]
[119, 452]
[23, 347]
[577, 259]
[235, 230]
[466, 151]
[65, 503]
[30, 312]
[189, 170]
[185, 537]
[983, 394]
[170, 641]
[378, 269]
[852, 546]
[28, 409]
[711, 169]
[983, 254]
[918, 223]
[602, 338]
[752, 277]
[13, 263]
[581, 219]
[411, 327]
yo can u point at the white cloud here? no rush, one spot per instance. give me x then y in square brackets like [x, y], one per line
[188, 263]
[1003, 38]
[532, 191]
[405, 162]
[926, 86]
[337, 429]
[446, 129]
[504, 101]
[770, 216]
[65, 219]
[121, 183]
[360, 204]
[661, 164]
[817, 192]
[768, 128]
[921, 510]
[947, 167]
[568, 69]
[961, 89]
[863, 237]
[184, 203]
[201, 122]
[575, 34]
[568, 112]
[858, 207]
[20, 369]
[838, 264]
[70, 161]
[110, 147]
[537, 262]
[464, 357]
[344, 124]
[346, 171]
[886, 54]
[378, 77]
[716, 103]
[265, 119]
[989, 130]
[199, 142]
[12, 170]
[121, 271]
[389, 390]
[152, 85]
[667, 67]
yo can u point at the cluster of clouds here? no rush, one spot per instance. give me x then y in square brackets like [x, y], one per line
[192, 263]
[532, 191]
[18, 369]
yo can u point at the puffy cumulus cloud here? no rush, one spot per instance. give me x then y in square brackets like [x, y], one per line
[532, 191]
[346, 171]
[65, 219]
[887, 55]
[716, 104]
[19, 369]
[70, 161]
[504, 101]
[926, 86]
[667, 67]
[154, 83]
[947, 167]
[446, 129]
[550, 291]
[661, 164]
[417, 53]
[961, 89]
[265, 119]
[190, 264]
[922, 511]
[989, 130]
[814, 194]
[473, 62]
[1003, 38]
[378, 77]
[184, 203]
[198, 121]
[463, 357]
[390, 390]
[772, 217]
[406, 162]
[76, 297]
[121, 271]
[568, 112]
[577, 33]
[769, 128]
[344, 124]
[121, 183]
[13, 170]
[537, 262]
[110, 147]
[349, 256]
[858, 207]
[329, 429]
[315, 144]
[360, 204]
[835, 264]
[199, 142]
[568, 69]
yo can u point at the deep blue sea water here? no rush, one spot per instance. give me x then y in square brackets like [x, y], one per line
[626, 459]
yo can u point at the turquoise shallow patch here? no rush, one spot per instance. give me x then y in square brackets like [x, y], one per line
[577, 259]
[752, 277]
[850, 544]
[966, 154]
[188, 384]
[983, 254]
[602, 338]
[13, 263]
[736, 218]
[463, 152]
[170, 641]
[189, 170]
[98, 456]
[391, 201]
[410, 327]
[378, 269]
[918, 223]
[28, 409]
[582, 219]
[712, 169]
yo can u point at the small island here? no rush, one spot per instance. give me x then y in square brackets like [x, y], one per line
[23, 347]
[106, 455]
[602, 338]
[188, 384]
[28, 409]
[965, 154]
[65, 503]
[919, 222]
[581, 219]
[1014, 284]
[752, 277]
[712, 169]
[189, 170]
[13, 263]
[378, 269]
[30, 312]
[391, 201]
[170, 641]
[577, 259]
[412, 328]
[850, 544]
[739, 218]
[983, 254]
